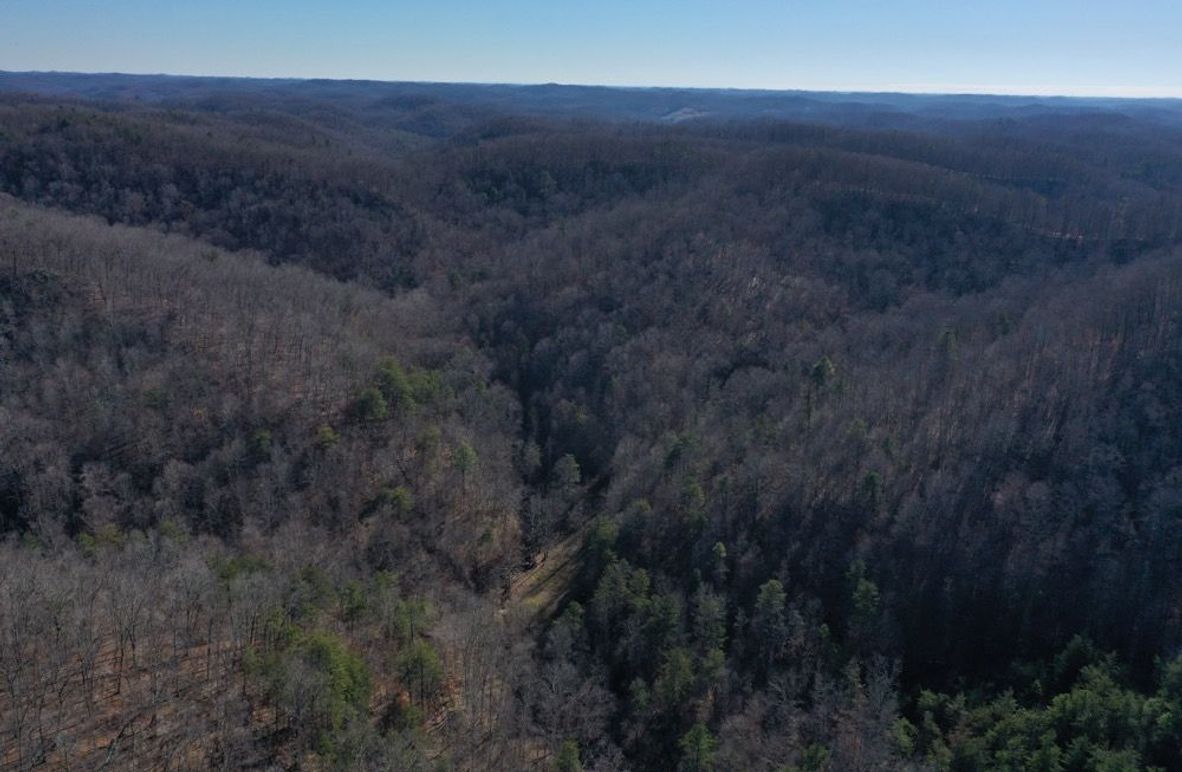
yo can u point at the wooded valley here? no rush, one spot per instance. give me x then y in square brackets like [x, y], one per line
[348, 425]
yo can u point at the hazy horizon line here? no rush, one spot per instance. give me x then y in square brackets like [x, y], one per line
[905, 89]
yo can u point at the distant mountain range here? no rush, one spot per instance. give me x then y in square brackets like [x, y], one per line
[862, 109]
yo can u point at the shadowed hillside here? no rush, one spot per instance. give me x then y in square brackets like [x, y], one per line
[426, 426]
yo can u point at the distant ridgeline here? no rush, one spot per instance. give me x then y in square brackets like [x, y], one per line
[417, 426]
[470, 102]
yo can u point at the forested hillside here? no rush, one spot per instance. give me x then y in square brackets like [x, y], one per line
[410, 427]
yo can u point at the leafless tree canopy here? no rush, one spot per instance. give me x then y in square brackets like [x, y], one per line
[354, 428]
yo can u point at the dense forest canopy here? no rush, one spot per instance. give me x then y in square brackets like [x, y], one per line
[417, 426]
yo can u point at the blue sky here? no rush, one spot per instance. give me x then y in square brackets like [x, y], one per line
[1129, 47]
